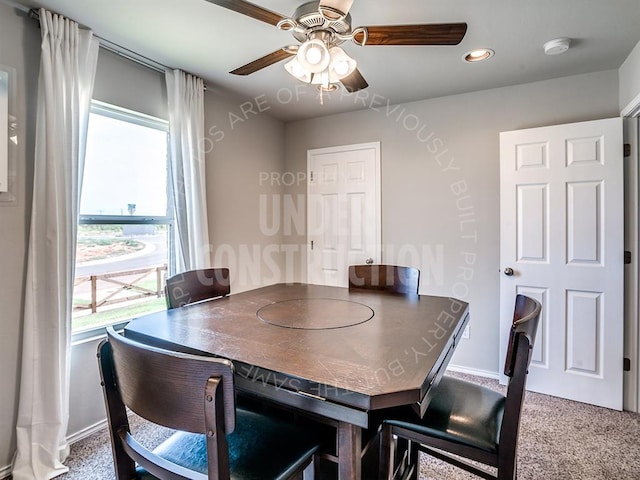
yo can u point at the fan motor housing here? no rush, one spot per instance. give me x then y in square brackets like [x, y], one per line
[308, 16]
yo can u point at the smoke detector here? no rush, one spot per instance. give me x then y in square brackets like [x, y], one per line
[557, 46]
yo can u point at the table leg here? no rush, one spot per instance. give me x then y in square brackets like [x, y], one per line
[349, 451]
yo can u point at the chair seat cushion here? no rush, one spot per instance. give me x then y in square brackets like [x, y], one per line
[260, 448]
[460, 412]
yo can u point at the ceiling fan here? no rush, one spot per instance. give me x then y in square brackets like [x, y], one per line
[321, 26]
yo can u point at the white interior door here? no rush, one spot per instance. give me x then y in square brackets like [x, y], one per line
[561, 220]
[343, 192]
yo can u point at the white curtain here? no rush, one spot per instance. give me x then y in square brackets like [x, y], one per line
[67, 70]
[187, 170]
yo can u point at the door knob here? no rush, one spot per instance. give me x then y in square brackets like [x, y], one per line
[369, 261]
[508, 272]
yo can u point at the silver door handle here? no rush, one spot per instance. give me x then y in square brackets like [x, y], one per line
[369, 261]
[508, 272]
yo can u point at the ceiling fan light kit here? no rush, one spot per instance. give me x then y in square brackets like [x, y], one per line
[321, 26]
[319, 63]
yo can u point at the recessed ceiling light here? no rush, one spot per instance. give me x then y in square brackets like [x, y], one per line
[557, 46]
[478, 55]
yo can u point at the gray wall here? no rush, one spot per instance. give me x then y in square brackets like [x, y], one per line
[20, 40]
[630, 78]
[431, 151]
[130, 85]
[240, 154]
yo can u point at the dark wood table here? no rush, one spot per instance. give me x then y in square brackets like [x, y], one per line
[337, 353]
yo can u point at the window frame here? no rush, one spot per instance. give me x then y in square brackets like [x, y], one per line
[144, 120]
[119, 113]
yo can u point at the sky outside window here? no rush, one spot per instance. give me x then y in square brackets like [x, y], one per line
[125, 164]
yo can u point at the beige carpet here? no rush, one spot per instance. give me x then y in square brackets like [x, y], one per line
[559, 440]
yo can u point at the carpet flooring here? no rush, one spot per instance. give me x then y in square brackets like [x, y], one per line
[559, 439]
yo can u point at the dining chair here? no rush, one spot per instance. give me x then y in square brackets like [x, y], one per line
[468, 420]
[385, 278]
[193, 395]
[197, 285]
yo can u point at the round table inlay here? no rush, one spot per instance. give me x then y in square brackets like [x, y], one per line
[315, 313]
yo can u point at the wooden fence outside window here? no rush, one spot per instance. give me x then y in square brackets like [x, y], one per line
[126, 282]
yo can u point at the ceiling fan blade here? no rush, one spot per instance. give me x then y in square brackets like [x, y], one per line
[250, 10]
[262, 62]
[429, 34]
[354, 82]
[334, 9]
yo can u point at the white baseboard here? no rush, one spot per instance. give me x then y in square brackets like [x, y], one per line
[85, 432]
[474, 371]
[5, 472]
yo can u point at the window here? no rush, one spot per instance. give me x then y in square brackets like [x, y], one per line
[124, 225]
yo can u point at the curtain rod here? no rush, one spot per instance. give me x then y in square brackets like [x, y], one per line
[114, 47]
[110, 46]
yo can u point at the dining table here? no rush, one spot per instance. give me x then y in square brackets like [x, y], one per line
[334, 353]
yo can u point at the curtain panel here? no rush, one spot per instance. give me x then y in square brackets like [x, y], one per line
[67, 71]
[185, 94]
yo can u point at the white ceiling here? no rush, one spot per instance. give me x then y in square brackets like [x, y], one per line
[209, 41]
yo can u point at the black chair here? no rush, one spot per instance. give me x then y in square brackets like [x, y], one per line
[194, 395]
[468, 420]
[385, 278]
[197, 285]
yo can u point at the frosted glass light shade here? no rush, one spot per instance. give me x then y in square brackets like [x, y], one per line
[321, 78]
[297, 70]
[314, 56]
[334, 10]
[342, 65]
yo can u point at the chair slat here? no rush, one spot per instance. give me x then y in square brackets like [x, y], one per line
[197, 285]
[387, 278]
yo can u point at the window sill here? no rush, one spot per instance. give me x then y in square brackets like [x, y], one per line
[94, 334]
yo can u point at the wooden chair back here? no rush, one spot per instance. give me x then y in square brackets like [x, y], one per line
[197, 285]
[385, 278]
[526, 316]
[519, 352]
[176, 390]
[452, 434]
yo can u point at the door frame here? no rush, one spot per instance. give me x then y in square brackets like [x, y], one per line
[631, 379]
[376, 146]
